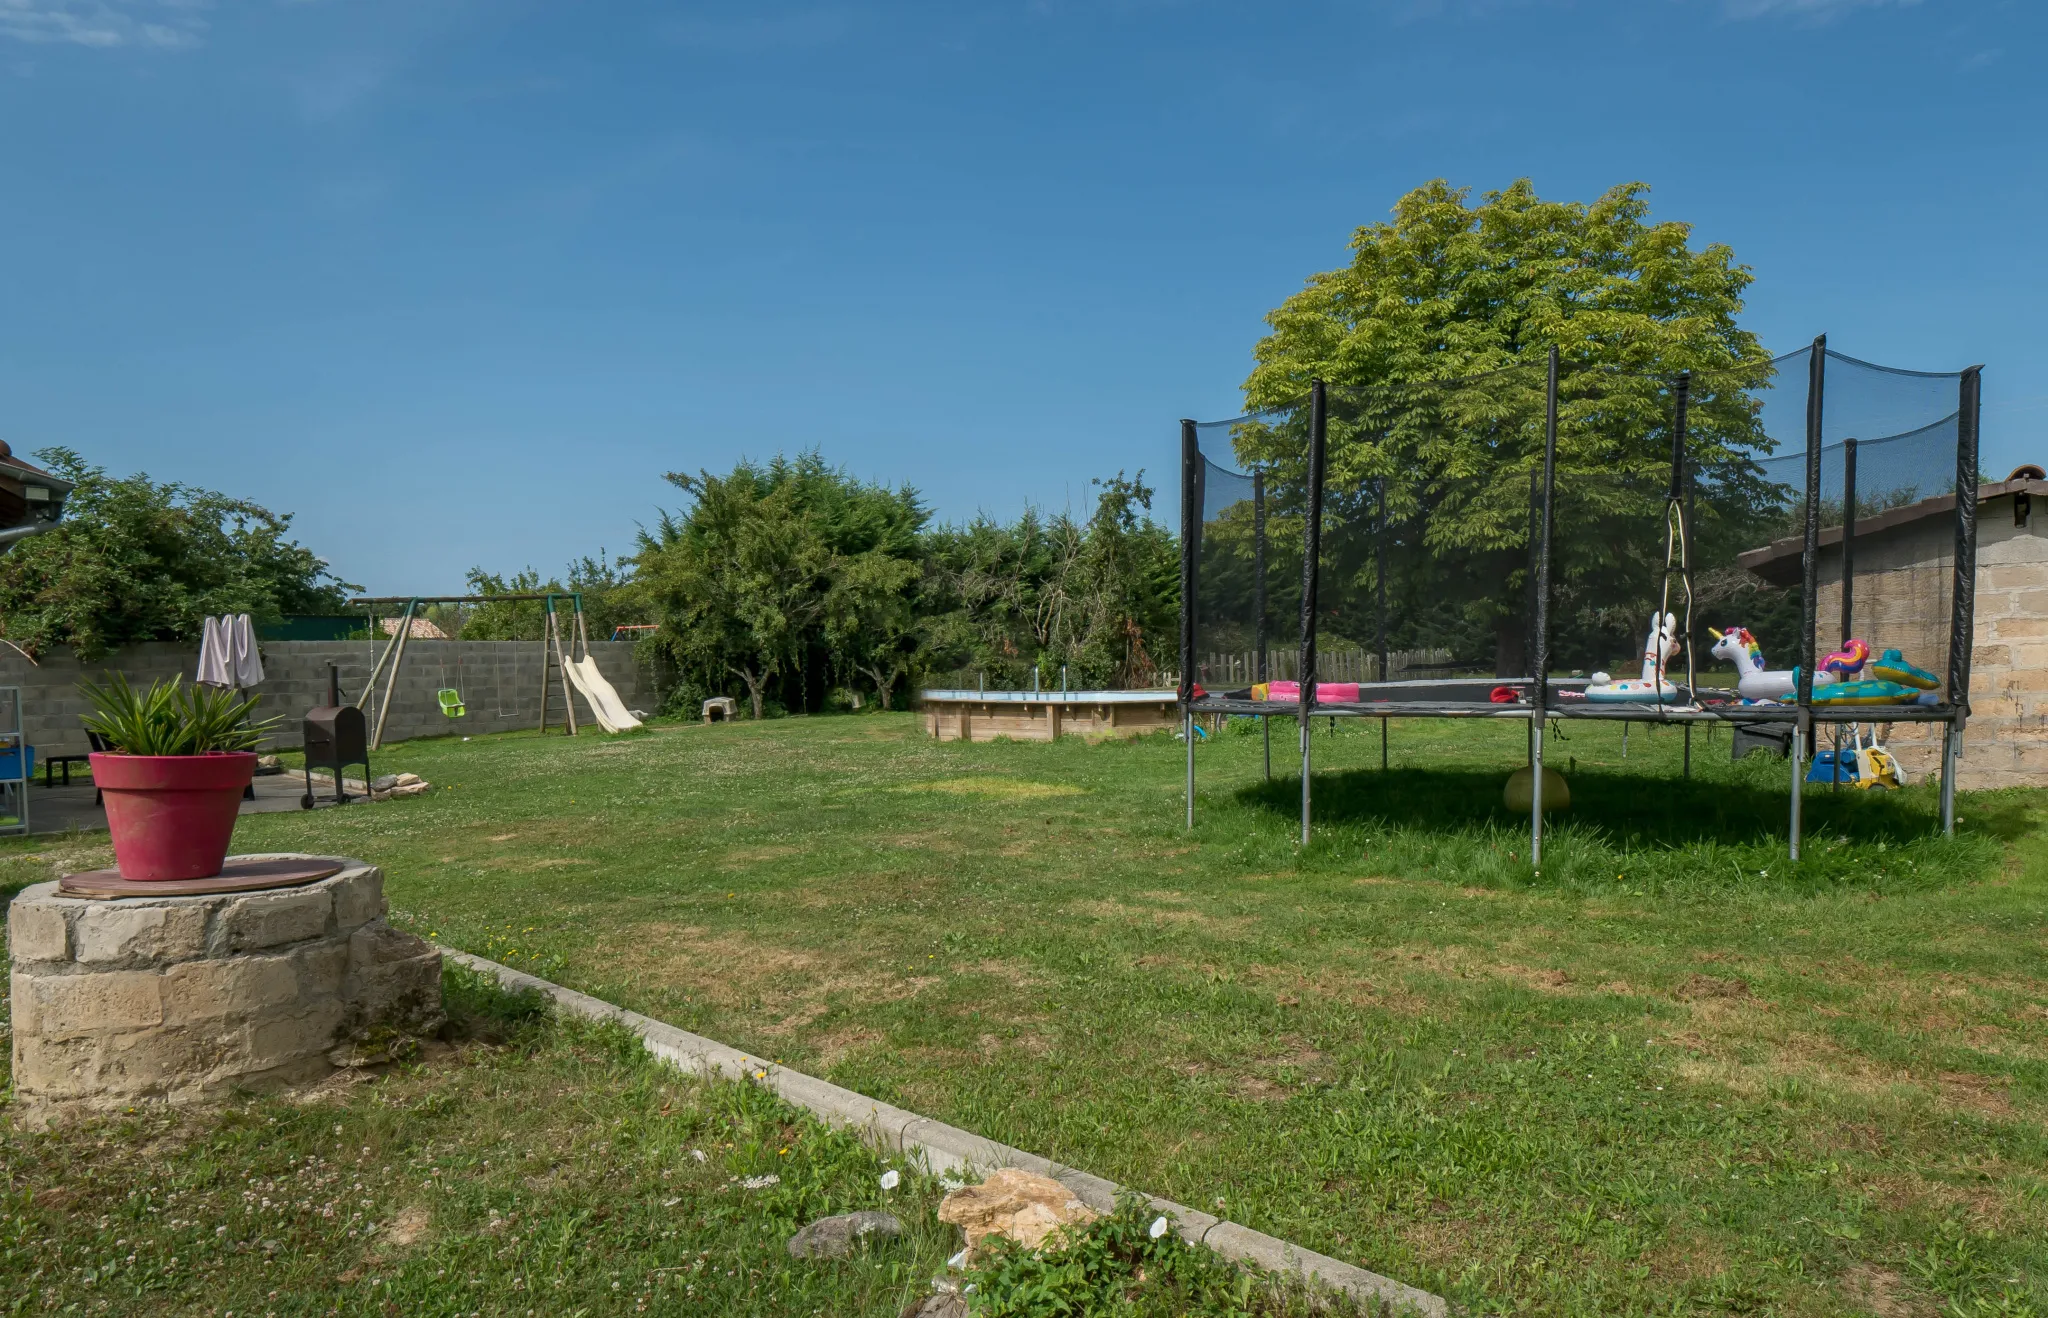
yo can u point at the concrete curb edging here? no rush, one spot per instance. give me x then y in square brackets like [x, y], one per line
[945, 1148]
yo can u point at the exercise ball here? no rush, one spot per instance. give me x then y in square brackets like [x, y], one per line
[1557, 794]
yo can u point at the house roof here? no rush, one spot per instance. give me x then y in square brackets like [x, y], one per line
[8, 460]
[1778, 561]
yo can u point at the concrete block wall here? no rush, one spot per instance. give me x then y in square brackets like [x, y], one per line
[500, 682]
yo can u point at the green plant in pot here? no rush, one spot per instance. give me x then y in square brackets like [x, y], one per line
[179, 758]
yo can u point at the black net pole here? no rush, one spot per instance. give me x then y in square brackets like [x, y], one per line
[1809, 612]
[1848, 539]
[1539, 690]
[1962, 618]
[1380, 625]
[1963, 590]
[1311, 572]
[1529, 592]
[1190, 535]
[1681, 502]
[1259, 574]
[1259, 603]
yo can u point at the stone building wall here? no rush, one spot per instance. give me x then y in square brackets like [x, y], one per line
[1904, 580]
[500, 682]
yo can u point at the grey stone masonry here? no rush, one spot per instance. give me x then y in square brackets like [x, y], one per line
[500, 684]
[185, 999]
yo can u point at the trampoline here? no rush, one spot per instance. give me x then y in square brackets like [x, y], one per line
[1542, 510]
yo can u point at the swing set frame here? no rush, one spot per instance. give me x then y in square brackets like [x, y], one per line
[557, 640]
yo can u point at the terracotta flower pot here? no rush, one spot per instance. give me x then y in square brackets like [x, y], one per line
[172, 815]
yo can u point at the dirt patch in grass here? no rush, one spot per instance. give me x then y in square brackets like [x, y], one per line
[1697, 987]
[994, 789]
[409, 1227]
[1173, 916]
[744, 856]
[835, 1046]
[1883, 1293]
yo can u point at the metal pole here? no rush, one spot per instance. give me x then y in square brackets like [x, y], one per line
[1539, 690]
[1311, 567]
[1190, 534]
[1809, 575]
[1798, 777]
[1948, 779]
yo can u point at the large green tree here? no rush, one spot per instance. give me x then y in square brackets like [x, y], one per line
[138, 560]
[1434, 339]
[777, 566]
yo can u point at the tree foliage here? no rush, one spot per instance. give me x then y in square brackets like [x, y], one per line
[776, 562]
[1434, 340]
[784, 575]
[137, 560]
[605, 583]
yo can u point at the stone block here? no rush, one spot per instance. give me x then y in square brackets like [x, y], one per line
[2010, 576]
[59, 1068]
[358, 898]
[149, 1062]
[22, 1004]
[142, 933]
[273, 920]
[278, 1040]
[37, 931]
[2030, 656]
[68, 1006]
[320, 969]
[228, 987]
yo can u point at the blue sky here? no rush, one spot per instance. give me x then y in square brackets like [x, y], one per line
[456, 282]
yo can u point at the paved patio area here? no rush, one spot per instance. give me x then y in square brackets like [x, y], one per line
[70, 809]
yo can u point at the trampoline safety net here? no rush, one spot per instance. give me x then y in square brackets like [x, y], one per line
[1806, 503]
[1246, 559]
[1872, 456]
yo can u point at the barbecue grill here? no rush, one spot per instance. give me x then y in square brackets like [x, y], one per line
[336, 735]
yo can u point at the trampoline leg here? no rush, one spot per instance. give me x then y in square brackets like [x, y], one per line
[1266, 730]
[1536, 793]
[1187, 726]
[1688, 750]
[1948, 780]
[1798, 765]
[1383, 745]
[1307, 740]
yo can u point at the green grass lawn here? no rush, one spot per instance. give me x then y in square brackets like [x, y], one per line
[1671, 1072]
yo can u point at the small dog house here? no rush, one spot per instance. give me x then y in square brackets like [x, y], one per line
[1906, 555]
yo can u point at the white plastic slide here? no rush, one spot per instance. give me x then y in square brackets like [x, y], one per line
[611, 711]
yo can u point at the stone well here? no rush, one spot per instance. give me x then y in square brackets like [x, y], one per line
[186, 999]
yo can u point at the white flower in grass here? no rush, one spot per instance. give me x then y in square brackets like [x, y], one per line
[698, 1154]
[891, 1179]
[1158, 1227]
[761, 1182]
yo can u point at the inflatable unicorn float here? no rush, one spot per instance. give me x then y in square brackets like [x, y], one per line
[1652, 687]
[1837, 679]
